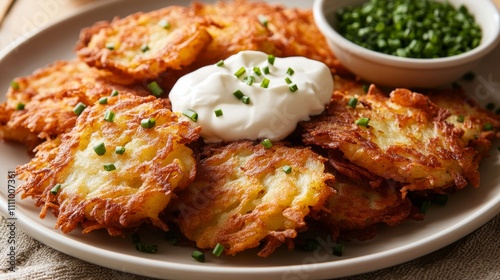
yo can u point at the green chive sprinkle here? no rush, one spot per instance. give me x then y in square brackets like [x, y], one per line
[110, 46]
[220, 63]
[79, 108]
[148, 123]
[265, 83]
[271, 58]
[146, 248]
[440, 199]
[488, 127]
[287, 169]
[109, 167]
[109, 116]
[120, 150]
[103, 100]
[424, 207]
[263, 20]
[218, 250]
[267, 143]
[199, 256]
[191, 114]
[266, 70]
[145, 48]
[164, 24]
[218, 112]
[366, 87]
[245, 99]
[240, 72]
[309, 245]
[288, 81]
[55, 189]
[460, 119]
[293, 88]
[15, 85]
[155, 89]
[338, 249]
[290, 71]
[352, 102]
[249, 80]
[363, 122]
[100, 149]
[238, 94]
[114, 92]
[20, 106]
[257, 72]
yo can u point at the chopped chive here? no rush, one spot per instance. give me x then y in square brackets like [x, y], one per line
[100, 149]
[109, 116]
[266, 70]
[249, 80]
[460, 118]
[352, 102]
[288, 81]
[79, 108]
[309, 245]
[256, 70]
[148, 123]
[366, 87]
[155, 89]
[218, 250]
[164, 24]
[191, 114]
[238, 94]
[146, 248]
[363, 122]
[293, 88]
[55, 189]
[488, 127]
[424, 207]
[240, 72]
[120, 150]
[110, 46]
[114, 92]
[220, 63]
[109, 167]
[145, 48]
[290, 71]
[245, 99]
[271, 58]
[267, 143]
[14, 85]
[20, 106]
[199, 256]
[263, 20]
[103, 100]
[338, 249]
[440, 199]
[218, 112]
[265, 83]
[287, 169]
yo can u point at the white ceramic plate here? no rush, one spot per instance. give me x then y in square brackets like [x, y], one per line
[465, 212]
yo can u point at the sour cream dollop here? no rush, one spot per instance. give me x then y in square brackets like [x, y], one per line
[298, 88]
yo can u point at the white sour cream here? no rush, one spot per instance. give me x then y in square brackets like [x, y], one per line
[272, 112]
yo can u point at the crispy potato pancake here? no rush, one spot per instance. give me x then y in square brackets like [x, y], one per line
[407, 139]
[49, 96]
[242, 196]
[155, 163]
[143, 45]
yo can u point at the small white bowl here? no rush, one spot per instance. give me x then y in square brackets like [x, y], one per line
[393, 71]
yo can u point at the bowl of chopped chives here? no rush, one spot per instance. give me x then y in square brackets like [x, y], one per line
[407, 43]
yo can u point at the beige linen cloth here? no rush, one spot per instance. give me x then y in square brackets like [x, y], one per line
[476, 256]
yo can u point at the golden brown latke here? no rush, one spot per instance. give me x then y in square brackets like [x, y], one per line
[143, 45]
[49, 96]
[407, 139]
[156, 162]
[242, 196]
